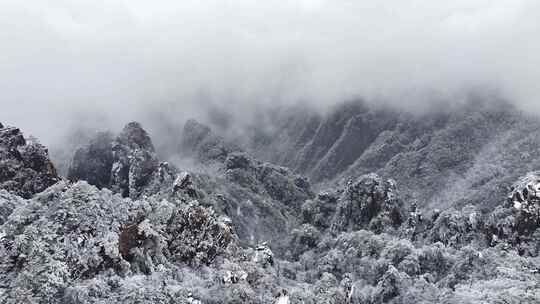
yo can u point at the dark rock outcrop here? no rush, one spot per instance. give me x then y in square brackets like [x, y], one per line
[368, 203]
[25, 167]
[93, 162]
[134, 161]
[517, 222]
[125, 164]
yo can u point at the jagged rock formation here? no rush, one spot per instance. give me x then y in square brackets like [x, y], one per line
[369, 203]
[254, 232]
[135, 161]
[263, 200]
[517, 223]
[25, 168]
[125, 164]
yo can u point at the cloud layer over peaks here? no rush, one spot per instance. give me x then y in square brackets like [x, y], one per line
[117, 60]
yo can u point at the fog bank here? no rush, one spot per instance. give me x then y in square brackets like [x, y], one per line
[105, 63]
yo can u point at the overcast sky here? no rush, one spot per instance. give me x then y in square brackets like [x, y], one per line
[59, 59]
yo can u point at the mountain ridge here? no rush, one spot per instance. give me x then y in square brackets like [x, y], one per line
[130, 227]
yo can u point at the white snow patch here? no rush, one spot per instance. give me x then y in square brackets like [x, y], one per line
[283, 300]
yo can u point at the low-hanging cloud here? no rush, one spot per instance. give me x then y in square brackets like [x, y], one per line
[116, 60]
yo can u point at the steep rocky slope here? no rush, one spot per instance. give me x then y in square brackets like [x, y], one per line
[189, 237]
[440, 158]
[262, 200]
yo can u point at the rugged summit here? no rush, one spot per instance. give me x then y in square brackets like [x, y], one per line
[25, 167]
[124, 164]
[134, 160]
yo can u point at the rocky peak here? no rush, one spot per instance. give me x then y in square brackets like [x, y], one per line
[369, 202]
[135, 137]
[125, 164]
[11, 137]
[518, 221]
[25, 168]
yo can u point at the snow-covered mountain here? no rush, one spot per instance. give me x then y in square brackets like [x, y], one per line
[359, 205]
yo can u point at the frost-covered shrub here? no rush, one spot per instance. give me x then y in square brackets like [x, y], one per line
[196, 236]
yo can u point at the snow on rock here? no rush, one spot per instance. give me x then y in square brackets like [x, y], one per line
[283, 299]
[198, 234]
[516, 222]
[71, 233]
[135, 160]
[25, 167]
[264, 255]
[126, 164]
[369, 202]
[150, 241]
[183, 182]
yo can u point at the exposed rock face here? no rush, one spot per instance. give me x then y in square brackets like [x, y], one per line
[517, 222]
[135, 161]
[93, 162]
[370, 203]
[125, 164]
[367, 203]
[25, 167]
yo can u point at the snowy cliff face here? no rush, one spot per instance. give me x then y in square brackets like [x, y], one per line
[130, 228]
